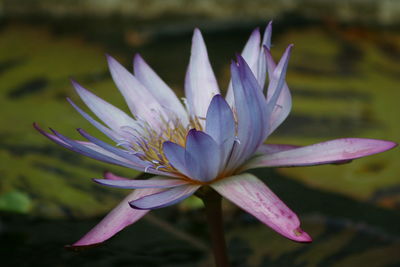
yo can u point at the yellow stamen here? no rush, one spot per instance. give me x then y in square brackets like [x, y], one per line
[151, 141]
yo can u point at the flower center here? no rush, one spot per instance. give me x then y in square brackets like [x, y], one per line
[148, 143]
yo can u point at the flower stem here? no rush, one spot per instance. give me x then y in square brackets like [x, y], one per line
[213, 209]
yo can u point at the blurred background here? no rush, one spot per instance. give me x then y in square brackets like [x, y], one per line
[344, 76]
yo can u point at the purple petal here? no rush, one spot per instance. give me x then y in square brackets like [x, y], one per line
[110, 133]
[110, 115]
[86, 149]
[200, 82]
[220, 123]
[278, 97]
[140, 101]
[136, 184]
[262, 65]
[176, 156]
[250, 53]
[164, 198]
[338, 150]
[140, 164]
[251, 112]
[267, 35]
[112, 149]
[159, 89]
[202, 157]
[253, 196]
[119, 218]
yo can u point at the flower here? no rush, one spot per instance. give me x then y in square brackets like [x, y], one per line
[209, 141]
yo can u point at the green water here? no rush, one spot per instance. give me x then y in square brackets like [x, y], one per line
[344, 81]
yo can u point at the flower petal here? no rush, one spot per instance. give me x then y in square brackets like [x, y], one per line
[140, 101]
[220, 123]
[176, 156]
[262, 66]
[87, 149]
[107, 131]
[159, 89]
[202, 157]
[252, 195]
[200, 82]
[332, 151]
[278, 94]
[251, 112]
[250, 53]
[156, 182]
[109, 114]
[164, 198]
[274, 148]
[112, 149]
[119, 218]
[141, 165]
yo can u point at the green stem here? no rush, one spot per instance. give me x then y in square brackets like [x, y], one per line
[213, 209]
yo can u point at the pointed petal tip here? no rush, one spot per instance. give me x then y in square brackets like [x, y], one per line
[138, 59]
[96, 180]
[74, 83]
[40, 130]
[197, 36]
[105, 173]
[387, 145]
[255, 32]
[301, 236]
[133, 206]
[111, 60]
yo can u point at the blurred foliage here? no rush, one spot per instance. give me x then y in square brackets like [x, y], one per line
[15, 201]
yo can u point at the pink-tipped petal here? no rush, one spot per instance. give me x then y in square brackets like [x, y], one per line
[338, 150]
[274, 148]
[159, 89]
[253, 196]
[200, 82]
[164, 198]
[119, 218]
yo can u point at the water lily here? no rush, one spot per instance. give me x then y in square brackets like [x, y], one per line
[207, 142]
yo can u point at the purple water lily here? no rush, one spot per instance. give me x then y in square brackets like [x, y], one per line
[210, 141]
